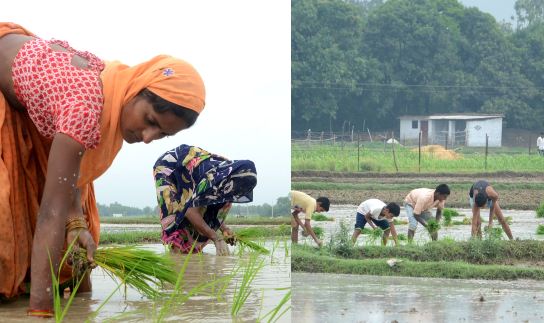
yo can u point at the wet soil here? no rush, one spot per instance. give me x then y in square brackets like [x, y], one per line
[522, 199]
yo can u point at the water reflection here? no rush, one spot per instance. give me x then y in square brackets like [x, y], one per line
[201, 308]
[358, 298]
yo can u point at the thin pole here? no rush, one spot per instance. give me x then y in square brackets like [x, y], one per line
[358, 151]
[393, 147]
[419, 153]
[486, 147]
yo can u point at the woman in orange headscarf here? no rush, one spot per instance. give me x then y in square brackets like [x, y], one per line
[63, 117]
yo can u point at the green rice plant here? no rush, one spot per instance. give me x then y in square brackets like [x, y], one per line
[433, 227]
[450, 212]
[243, 240]
[540, 210]
[341, 243]
[375, 235]
[402, 237]
[540, 229]
[141, 269]
[467, 220]
[274, 316]
[508, 219]
[242, 292]
[321, 217]
[55, 280]
[319, 232]
[493, 233]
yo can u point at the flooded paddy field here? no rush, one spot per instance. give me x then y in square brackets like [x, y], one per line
[360, 298]
[212, 304]
[524, 224]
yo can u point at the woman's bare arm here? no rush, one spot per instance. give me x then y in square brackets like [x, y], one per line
[58, 198]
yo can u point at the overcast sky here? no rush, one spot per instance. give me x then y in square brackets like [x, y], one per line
[242, 51]
[500, 9]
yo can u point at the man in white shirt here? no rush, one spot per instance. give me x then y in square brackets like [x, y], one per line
[376, 213]
[540, 144]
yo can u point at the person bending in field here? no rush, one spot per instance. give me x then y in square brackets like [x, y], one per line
[195, 190]
[482, 194]
[377, 213]
[304, 203]
[418, 204]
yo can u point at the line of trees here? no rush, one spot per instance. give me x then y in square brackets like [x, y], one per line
[371, 61]
[280, 208]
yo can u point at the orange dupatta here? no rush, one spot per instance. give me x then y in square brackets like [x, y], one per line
[23, 162]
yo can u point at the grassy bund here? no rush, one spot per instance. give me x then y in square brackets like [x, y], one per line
[154, 236]
[251, 220]
[474, 259]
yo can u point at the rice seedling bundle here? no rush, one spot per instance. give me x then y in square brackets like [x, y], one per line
[375, 235]
[433, 226]
[540, 229]
[318, 232]
[144, 270]
[540, 210]
[321, 217]
[450, 212]
[242, 238]
[493, 233]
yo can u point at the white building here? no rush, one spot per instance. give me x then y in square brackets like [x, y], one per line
[452, 129]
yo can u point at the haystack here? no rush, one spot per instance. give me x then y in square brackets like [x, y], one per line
[439, 152]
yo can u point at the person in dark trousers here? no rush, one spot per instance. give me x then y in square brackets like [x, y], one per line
[482, 195]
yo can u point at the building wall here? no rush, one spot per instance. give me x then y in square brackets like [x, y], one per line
[406, 131]
[476, 130]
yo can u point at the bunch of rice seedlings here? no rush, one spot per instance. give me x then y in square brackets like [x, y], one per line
[450, 212]
[433, 226]
[447, 218]
[540, 210]
[493, 233]
[319, 232]
[144, 270]
[402, 237]
[540, 229]
[375, 235]
[321, 217]
[242, 239]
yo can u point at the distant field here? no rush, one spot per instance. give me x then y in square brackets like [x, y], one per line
[376, 157]
[250, 220]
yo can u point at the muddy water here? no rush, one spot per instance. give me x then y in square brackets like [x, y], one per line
[523, 226]
[200, 308]
[356, 298]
